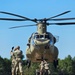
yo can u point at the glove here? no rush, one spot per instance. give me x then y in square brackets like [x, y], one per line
[12, 47]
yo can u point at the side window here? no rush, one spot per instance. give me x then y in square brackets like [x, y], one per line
[36, 36]
[54, 40]
[41, 36]
[47, 36]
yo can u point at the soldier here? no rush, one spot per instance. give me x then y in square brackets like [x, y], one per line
[46, 67]
[18, 56]
[13, 61]
[41, 67]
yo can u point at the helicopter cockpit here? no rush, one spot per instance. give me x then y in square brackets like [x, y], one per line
[46, 38]
[43, 36]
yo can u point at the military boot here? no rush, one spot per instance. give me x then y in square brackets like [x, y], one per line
[21, 73]
[13, 74]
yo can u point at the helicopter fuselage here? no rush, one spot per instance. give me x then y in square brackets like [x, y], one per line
[42, 46]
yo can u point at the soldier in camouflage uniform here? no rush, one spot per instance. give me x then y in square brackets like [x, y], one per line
[44, 68]
[41, 67]
[13, 61]
[17, 61]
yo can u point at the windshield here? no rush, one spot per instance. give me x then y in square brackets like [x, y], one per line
[37, 36]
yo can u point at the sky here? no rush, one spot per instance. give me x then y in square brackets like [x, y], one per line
[36, 9]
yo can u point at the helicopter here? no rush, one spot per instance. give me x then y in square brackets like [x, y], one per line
[41, 44]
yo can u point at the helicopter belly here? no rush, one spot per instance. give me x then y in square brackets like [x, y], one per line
[36, 53]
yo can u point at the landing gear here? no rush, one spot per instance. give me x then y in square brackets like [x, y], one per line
[55, 63]
[28, 63]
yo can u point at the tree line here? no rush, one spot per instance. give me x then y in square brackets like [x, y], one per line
[66, 66]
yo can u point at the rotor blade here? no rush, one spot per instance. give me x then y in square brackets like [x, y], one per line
[59, 19]
[16, 15]
[59, 15]
[11, 19]
[65, 23]
[22, 26]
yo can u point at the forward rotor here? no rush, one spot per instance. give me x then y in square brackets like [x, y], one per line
[44, 20]
[22, 18]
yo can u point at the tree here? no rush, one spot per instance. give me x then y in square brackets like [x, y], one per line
[66, 65]
[73, 65]
[5, 66]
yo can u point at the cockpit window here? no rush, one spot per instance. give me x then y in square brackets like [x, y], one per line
[41, 36]
[36, 36]
[45, 36]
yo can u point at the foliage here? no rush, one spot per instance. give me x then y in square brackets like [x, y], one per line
[66, 66]
[5, 66]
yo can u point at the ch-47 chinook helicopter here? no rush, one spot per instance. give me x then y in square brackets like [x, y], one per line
[41, 43]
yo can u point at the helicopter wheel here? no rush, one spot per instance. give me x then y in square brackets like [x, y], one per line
[28, 63]
[55, 63]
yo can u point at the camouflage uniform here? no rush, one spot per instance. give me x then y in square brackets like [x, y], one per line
[17, 66]
[41, 67]
[44, 68]
[13, 63]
